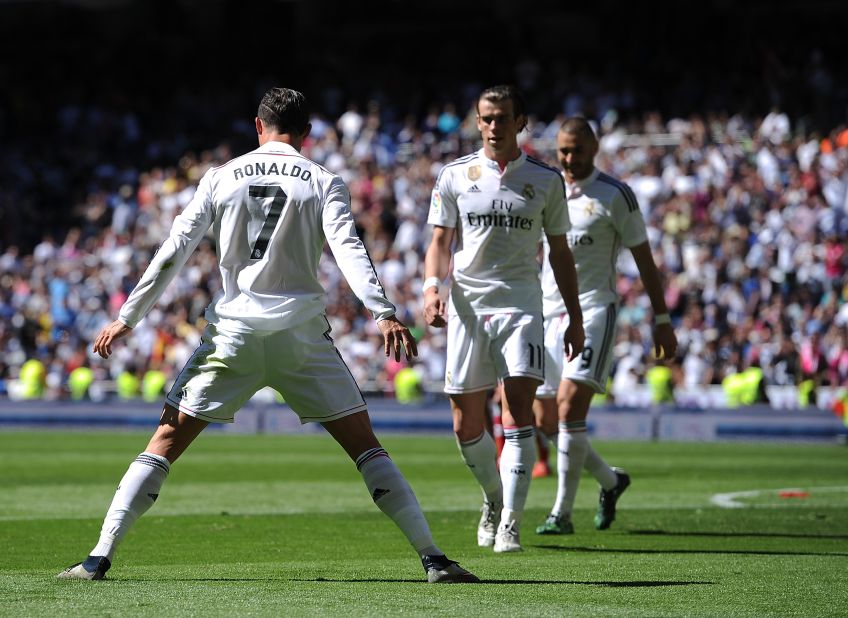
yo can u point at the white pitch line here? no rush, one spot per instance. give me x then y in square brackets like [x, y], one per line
[730, 500]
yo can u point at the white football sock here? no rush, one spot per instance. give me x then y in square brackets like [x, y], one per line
[572, 445]
[480, 455]
[517, 459]
[136, 493]
[600, 470]
[393, 495]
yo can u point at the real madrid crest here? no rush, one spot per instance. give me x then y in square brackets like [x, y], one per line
[474, 172]
[589, 208]
[529, 191]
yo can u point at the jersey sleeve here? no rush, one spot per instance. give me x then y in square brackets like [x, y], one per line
[443, 208]
[186, 233]
[555, 219]
[349, 251]
[627, 218]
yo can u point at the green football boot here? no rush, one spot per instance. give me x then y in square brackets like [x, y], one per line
[556, 524]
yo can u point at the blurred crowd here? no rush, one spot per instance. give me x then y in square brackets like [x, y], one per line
[748, 218]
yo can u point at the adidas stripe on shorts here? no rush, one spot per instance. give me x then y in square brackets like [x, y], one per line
[593, 365]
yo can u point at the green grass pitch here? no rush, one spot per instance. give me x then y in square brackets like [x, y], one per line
[283, 526]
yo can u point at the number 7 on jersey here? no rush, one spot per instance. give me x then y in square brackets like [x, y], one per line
[278, 202]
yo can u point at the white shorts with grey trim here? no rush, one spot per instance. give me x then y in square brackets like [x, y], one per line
[593, 365]
[301, 363]
[483, 349]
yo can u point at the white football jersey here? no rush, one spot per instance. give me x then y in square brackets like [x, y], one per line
[604, 215]
[498, 218]
[270, 211]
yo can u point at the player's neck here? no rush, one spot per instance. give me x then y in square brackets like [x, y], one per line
[294, 141]
[570, 178]
[502, 159]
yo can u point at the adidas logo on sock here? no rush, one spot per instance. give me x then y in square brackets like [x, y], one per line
[474, 189]
[379, 493]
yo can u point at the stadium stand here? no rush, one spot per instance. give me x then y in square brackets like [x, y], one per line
[742, 175]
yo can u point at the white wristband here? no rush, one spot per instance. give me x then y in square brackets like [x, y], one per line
[662, 318]
[431, 282]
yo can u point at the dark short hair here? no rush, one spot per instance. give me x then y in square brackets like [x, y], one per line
[504, 92]
[285, 110]
[577, 125]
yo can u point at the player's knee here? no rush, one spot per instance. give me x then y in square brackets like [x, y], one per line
[572, 409]
[467, 427]
[547, 426]
[563, 408]
[465, 433]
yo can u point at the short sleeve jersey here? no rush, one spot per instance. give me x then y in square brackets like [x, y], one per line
[498, 217]
[270, 212]
[604, 215]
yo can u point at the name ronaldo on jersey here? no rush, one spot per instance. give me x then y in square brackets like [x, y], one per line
[258, 168]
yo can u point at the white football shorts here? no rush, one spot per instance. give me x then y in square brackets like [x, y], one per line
[483, 349]
[301, 363]
[593, 365]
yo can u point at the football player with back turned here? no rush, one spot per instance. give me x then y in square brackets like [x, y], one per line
[270, 211]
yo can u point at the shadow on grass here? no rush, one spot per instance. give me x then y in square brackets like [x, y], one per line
[622, 584]
[379, 580]
[776, 535]
[735, 552]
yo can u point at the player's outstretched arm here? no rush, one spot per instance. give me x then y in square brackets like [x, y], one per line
[397, 336]
[665, 341]
[436, 266]
[187, 231]
[565, 273]
[108, 335]
[349, 250]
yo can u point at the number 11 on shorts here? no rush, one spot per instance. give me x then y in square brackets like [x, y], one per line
[536, 355]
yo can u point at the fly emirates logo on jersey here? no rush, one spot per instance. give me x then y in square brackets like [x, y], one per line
[577, 240]
[500, 215]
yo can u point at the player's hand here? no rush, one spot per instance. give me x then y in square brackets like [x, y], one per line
[434, 308]
[665, 342]
[107, 336]
[573, 340]
[397, 336]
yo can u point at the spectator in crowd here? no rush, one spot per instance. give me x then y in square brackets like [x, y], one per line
[662, 378]
[747, 220]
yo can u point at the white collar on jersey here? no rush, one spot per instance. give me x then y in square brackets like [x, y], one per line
[491, 163]
[275, 146]
[579, 184]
